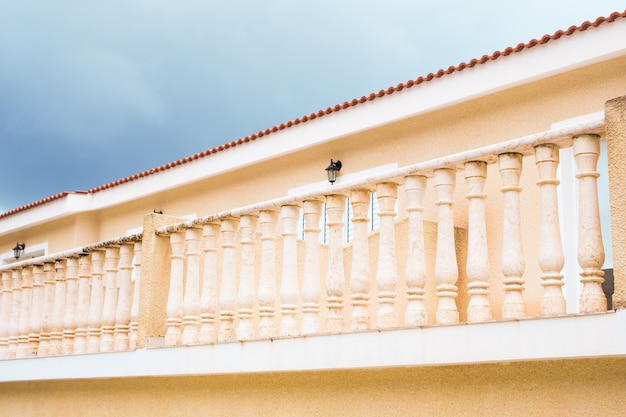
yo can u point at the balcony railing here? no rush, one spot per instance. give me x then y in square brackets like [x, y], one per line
[80, 301]
[245, 275]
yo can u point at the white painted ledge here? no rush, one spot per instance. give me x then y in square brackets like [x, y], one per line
[565, 337]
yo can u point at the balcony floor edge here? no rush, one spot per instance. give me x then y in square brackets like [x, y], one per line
[562, 337]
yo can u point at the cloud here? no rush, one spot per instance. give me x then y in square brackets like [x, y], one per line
[94, 91]
[63, 80]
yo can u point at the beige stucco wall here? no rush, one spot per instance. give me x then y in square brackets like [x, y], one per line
[544, 388]
[60, 234]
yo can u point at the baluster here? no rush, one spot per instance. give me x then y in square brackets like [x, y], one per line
[512, 261]
[289, 292]
[5, 314]
[71, 306]
[311, 281]
[267, 282]
[590, 246]
[16, 309]
[112, 259]
[23, 348]
[360, 271]
[134, 310]
[82, 307]
[124, 300]
[387, 272]
[228, 290]
[246, 294]
[208, 299]
[58, 311]
[191, 300]
[446, 270]
[551, 259]
[477, 267]
[48, 309]
[94, 317]
[335, 277]
[37, 310]
[415, 273]
[174, 310]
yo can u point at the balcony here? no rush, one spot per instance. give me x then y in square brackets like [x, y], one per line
[465, 266]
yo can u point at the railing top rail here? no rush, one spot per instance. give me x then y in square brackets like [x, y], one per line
[524, 145]
[40, 260]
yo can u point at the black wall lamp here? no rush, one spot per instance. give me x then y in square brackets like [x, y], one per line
[332, 170]
[18, 250]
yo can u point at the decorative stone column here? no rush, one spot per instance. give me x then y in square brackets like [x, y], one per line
[48, 309]
[590, 247]
[551, 258]
[23, 348]
[112, 259]
[16, 308]
[360, 270]
[173, 334]
[228, 291]
[446, 270]
[311, 281]
[37, 309]
[208, 298]
[289, 290]
[415, 273]
[191, 298]
[94, 331]
[335, 277]
[58, 310]
[82, 308]
[121, 332]
[267, 280]
[246, 294]
[71, 305]
[5, 314]
[387, 271]
[512, 261]
[477, 267]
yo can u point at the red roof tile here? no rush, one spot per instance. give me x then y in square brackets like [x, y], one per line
[338, 107]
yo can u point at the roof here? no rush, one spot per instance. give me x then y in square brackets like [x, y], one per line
[329, 110]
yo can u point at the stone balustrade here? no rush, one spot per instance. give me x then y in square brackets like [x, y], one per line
[79, 301]
[264, 280]
[452, 246]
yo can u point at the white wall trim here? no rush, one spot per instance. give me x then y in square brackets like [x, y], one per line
[564, 337]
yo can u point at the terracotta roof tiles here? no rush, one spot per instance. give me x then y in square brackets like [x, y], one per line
[338, 107]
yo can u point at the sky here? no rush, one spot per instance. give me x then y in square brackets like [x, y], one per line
[91, 92]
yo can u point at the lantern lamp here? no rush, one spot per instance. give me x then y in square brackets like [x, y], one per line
[332, 170]
[18, 250]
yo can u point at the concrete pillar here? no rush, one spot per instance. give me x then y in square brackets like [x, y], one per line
[615, 126]
[155, 274]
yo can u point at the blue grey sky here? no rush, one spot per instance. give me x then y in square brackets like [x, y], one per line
[91, 92]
